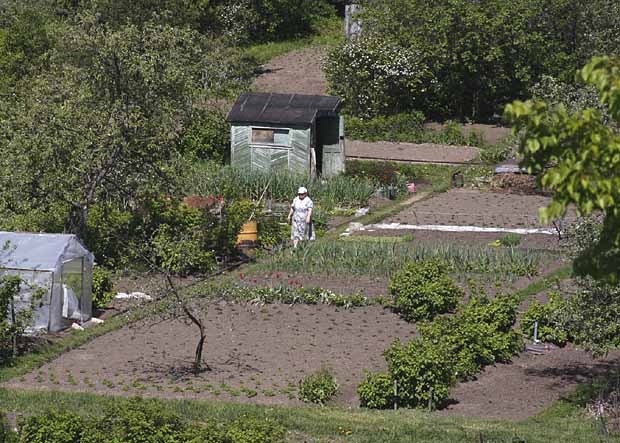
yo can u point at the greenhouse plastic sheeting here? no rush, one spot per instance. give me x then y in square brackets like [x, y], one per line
[59, 266]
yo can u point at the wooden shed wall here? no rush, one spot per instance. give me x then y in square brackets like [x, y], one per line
[295, 156]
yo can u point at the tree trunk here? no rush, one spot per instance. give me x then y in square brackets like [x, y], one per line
[198, 321]
[199, 347]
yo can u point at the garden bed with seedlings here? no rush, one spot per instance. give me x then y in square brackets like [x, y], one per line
[465, 207]
[257, 353]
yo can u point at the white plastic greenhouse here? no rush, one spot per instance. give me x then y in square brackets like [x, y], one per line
[57, 263]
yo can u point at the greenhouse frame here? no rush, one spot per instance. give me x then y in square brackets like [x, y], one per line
[56, 266]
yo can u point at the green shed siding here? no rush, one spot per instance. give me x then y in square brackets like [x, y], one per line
[300, 151]
[331, 146]
[264, 157]
[280, 159]
[241, 154]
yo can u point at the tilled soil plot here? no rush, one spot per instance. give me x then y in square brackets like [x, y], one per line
[257, 354]
[298, 72]
[464, 207]
[426, 152]
[528, 385]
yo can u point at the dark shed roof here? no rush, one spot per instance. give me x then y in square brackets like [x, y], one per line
[282, 108]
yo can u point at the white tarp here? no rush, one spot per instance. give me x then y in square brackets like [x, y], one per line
[56, 265]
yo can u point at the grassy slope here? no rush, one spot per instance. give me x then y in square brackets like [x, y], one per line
[338, 425]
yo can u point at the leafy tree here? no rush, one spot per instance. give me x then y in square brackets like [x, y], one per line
[480, 54]
[24, 39]
[578, 158]
[100, 125]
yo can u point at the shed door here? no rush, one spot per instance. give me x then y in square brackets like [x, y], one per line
[270, 159]
[329, 146]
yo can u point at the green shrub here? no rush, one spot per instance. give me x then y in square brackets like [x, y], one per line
[405, 127]
[182, 253]
[376, 391]
[423, 370]
[479, 334]
[135, 421]
[448, 348]
[208, 137]
[421, 290]
[142, 421]
[510, 240]
[108, 234]
[376, 76]
[318, 387]
[496, 51]
[14, 319]
[271, 233]
[550, 327]
[386, 173]
[102, 287]
[53, 427]
[254, 431]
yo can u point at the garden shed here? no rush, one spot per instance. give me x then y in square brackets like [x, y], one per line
[303, 134]
[56, 266]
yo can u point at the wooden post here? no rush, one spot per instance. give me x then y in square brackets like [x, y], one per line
[395, 395]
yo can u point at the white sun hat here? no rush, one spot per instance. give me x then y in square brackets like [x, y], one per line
[302, 190]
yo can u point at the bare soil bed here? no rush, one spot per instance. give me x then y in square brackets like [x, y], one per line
[298, 72]
[257, 354]
[528, 385]
[425, 153]
[465, 207]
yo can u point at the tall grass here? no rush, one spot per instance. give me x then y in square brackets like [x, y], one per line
[209, 178]
[382, 259]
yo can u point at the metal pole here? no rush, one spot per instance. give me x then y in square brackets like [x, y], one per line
[536, 331]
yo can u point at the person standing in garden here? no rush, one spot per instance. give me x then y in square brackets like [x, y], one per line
[300, 217]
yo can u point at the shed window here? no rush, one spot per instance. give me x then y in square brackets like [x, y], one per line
[271, 136]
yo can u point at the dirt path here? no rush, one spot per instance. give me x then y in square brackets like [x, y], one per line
[297, 72]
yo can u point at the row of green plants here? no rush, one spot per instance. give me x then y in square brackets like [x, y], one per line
[448, 348]
[409, 127]
[439, 177]
[384, 259]
[137, 421]
[288, 294]
[211, 178]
